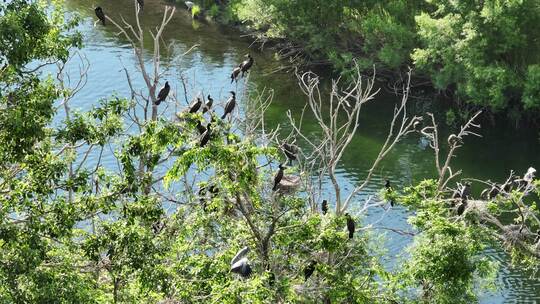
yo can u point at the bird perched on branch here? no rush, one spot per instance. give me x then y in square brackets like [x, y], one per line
[240, 263]
[208, 104]
[141, 4]
[529, 176]
[310, 268]
[200, 127]
[229, 106]
[466, 191]
[324, 207]
[236, 72]
[462, 207]
[205, 136]
[195, 105]
[163, 93]
[351, 225]
[490, 193]
[290, 151]
[246, 64]
[278, 177]
[389, 190]
[100, 14]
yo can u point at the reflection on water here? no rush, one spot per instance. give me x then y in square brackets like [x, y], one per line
[219, 49]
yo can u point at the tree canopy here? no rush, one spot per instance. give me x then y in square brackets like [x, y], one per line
[483, 52]
[165, 223]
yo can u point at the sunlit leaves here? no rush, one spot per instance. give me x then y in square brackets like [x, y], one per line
[482, 49]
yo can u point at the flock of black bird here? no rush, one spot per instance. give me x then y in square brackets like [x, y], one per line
[240, 263]
[242, 67]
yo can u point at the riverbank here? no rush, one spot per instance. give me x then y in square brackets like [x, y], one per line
[487, 67]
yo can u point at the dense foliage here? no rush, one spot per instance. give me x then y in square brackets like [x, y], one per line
[483, 52]
[165, 223]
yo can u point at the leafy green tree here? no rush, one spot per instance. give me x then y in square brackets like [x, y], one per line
[164, 224]
[483, 50]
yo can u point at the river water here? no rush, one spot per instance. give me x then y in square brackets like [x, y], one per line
[220, 49]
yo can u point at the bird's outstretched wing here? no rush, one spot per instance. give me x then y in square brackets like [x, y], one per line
[239, 255]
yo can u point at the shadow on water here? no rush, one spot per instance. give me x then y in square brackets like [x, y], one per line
[220, 49]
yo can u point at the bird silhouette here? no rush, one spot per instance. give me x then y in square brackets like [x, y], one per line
[466, 191]
[389, 190]
[490, 193]
[229, 106]
[290, 151]
[195, 105]
[141, 4]
[324, 207]
[100, 14]
[278, 177]
[200, 127]
[205, 136]
[246, 64]
[163, 93]
[462, 207]
[310, 268]
[208, 104]
[240, 263]
[236, 72]
[351, 225]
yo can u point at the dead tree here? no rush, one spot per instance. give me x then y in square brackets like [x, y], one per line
[339, 123]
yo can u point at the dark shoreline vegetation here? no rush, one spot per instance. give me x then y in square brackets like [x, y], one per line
[478, 54]
[251, 222]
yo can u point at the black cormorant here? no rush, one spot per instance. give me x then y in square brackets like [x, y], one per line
[246, 64]
[271, 278]
[351, 225]
[163, 93]
[208, 104]
[290, 151]
[466, 191]
[462, 207]
[324, 207]
[278, 177]
[236, 72]
[141, 4]
[158, 226]
[195, 105]
[100, 14]
[310, 268]
[206, 136]
[229, 106]
[200, 127]
[494, 192]
[240, 263]
[389, 190]
[490, 193]
[202, 197]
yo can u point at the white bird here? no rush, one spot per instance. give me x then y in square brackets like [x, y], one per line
[189, 5]
[529, 176]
